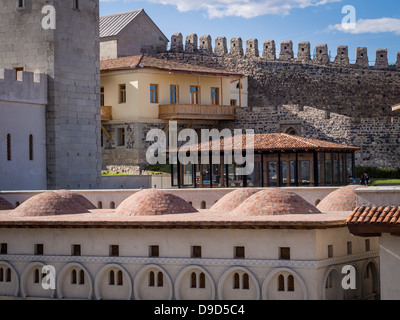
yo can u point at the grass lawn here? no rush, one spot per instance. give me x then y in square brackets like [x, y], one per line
[108, 173]
[159, 168]
[375, 182]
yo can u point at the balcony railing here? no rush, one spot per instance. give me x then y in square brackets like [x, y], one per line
[196, 112]
[106, 113]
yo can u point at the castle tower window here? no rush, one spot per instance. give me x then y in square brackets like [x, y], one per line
[31, 147]
[122, 93]
[8, 147]
[236, 281]
[196, 251]
[349, 248]
[111, 278]
[151, 279]
[36, 276]
[8, 275]
[73, 277]
[194, 95]
[202, 281]
[1, 275]
[3, 248]
[239, 253]
[160, 279]
[120, 278]
[290, 283]
[75, 4]
[102, 96]
[114, 250]
[193, 282]
[81, 277]
[281, 283]
[367, 245]
[284, 253]
[121, 137]
[245, 281]
[39, 249]
[173, 94]
[153, 93]
[20, 4]
[330, 251]
[76, 250]
[154, 251]
[214, 96]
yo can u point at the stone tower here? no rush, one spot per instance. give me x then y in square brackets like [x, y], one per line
[61, 39]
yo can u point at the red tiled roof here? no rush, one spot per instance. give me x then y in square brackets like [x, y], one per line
[153, 202]
[48, 204]
[274, 201]
[84, 202]
[233, 199]
[148, 62]
[374, 220]
[5, 205]
[342, 199]
[273, 142]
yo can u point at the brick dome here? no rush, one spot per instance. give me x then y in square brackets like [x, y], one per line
[274, 201]
[48, 204]
[343, 199]
[151, 202]
[233, 199]
[5, 205]
[84, 202]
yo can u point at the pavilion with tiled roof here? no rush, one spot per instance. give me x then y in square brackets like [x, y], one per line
[280, 160]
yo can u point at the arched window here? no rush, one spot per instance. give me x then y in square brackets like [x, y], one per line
[281, 283]
[151, 279]
[36, 276]
[99, 205]
[193, 282]
[160, 279]
[291, 131]
[236, 281]
[1, 275]
[82, 277]
[203, 205]
[8, 275]
[290, 283]
[112, 205]
[246, 282]
[31, 147]
[202, 280]
[8, 147]
[73, 277]
[111, 278]
[120, 278]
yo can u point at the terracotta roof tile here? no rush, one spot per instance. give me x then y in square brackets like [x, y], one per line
[148, 62]
[272, 142]
[5, 205]
[233, 199]
[48, 204]
[375, 220]
[274, 201]
[153, 202]
[342, 199]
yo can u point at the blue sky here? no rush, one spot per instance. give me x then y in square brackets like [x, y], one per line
[317, 21]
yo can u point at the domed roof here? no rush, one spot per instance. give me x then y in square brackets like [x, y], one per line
[48, 204]
[151, 202]
[5, 205]
[233, 199]
[83, 201]
[274, 201]
[342, 199]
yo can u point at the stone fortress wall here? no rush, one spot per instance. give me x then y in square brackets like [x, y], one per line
[318, 98]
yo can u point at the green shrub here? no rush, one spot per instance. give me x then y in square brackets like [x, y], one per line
[378, 172]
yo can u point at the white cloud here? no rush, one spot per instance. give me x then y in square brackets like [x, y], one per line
[239, 8]
[370, 26]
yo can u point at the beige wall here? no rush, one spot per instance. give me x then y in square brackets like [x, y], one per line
[308, 267]
[138, 104]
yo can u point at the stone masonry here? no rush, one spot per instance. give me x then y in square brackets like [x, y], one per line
[69, 55]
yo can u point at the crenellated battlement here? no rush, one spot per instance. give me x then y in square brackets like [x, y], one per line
[23, 86]
[286, 53]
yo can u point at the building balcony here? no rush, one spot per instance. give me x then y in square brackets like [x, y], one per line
[196, 112]
[106, 113]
